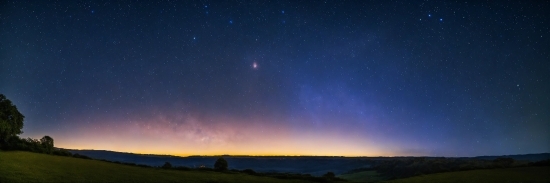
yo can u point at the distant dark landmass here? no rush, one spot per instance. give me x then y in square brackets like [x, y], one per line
[519, 157]
[314, 165]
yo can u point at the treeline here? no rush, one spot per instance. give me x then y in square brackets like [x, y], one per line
[44, 145]
[221, 167]
[408, 167]
[326, 178]
[540, 163]
[11, 123]
[124, 163]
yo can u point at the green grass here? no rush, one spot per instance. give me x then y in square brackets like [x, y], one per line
[522, 174]
[364, 176]
[18, 166]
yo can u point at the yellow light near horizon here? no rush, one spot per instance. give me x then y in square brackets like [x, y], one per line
[196, 138]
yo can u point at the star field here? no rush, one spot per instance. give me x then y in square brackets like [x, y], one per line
[352, 78]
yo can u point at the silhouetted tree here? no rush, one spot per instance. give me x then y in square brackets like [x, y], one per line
[11, 120]
[167, 165]
[220, 164]
[47, 144]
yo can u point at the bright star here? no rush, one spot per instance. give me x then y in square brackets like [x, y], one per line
[254, 65]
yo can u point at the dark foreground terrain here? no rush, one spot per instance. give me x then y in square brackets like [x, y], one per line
[313, 165]
[520, 174]
[18, 166]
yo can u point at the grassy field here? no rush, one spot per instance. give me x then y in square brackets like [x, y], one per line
[365, 176]
[512, 175]
[17, 166]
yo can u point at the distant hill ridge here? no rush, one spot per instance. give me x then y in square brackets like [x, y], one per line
[524, 157]
[314, 165]
[527, 157]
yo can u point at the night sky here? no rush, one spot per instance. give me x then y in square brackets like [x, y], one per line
[352, 78]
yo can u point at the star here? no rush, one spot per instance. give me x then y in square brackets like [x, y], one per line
[321, 77]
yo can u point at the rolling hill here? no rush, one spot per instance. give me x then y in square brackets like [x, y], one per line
[18, 166]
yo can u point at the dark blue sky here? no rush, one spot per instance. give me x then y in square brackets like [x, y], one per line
[439, 78]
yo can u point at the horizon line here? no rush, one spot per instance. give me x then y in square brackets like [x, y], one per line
[222, 155]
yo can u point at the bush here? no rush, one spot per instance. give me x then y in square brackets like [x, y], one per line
[167, 165]
[81, 156]
[182, 168]
[62, 152]
[142, 165]
[221, 164]
[249, 171]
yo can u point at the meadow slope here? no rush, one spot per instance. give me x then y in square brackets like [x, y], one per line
[18, 166]
[512, 175]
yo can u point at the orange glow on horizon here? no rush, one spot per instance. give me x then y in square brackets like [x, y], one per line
[191, 136]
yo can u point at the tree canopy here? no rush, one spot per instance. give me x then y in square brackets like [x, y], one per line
[11, 120]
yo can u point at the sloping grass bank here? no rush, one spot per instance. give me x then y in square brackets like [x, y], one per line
[19, 166]
[512, 175]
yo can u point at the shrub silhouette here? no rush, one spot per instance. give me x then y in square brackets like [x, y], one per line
[249, 171]
[221, 164]
[167, 165]
[76, 155]
[62, 152]
[47, 144]
[182, 168]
